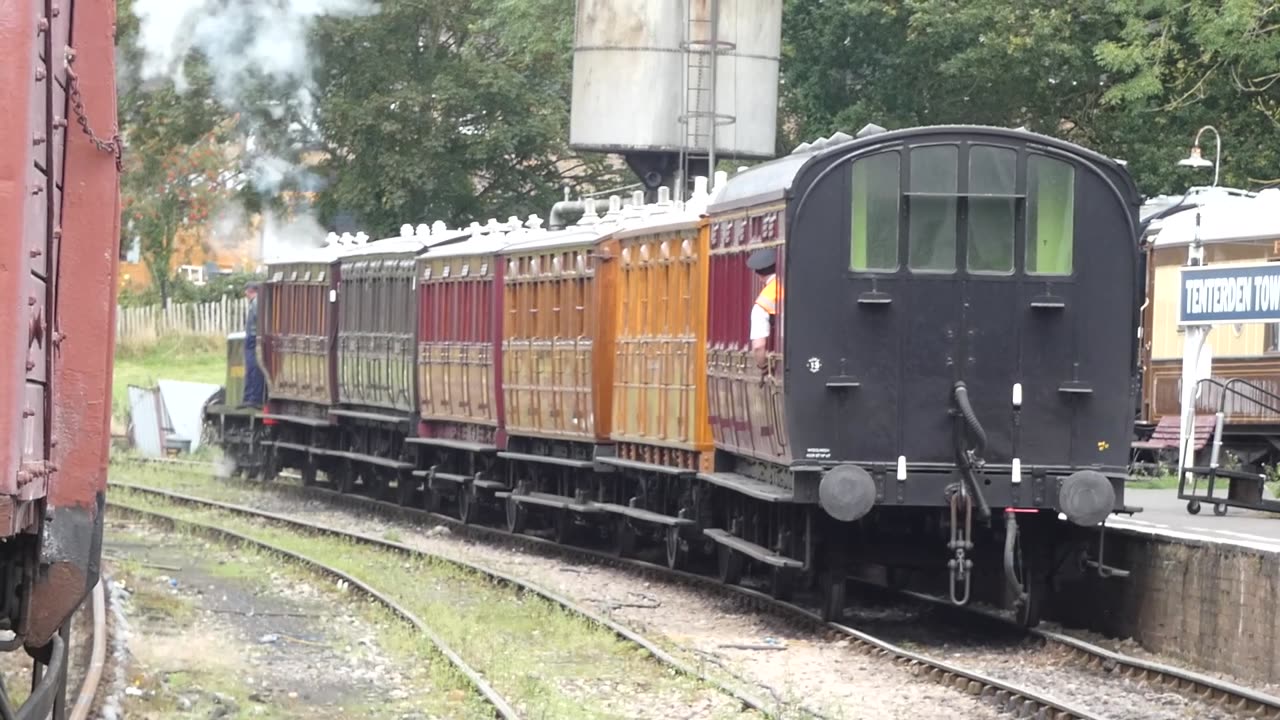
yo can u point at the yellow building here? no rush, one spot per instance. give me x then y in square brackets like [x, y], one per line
[1236, 228]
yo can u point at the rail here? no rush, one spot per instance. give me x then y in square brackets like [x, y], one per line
[1185, 682]
[88, 691]
[501, 707]
[618, 630]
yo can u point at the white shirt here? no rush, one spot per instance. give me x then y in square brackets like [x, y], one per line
[759, 323]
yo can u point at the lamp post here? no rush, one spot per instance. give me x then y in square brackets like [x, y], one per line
[1196, 335]
[1196, 160]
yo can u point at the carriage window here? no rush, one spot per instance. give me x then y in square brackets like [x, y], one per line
[1050, 216]
[932, 219]
[874, 239]
[992, 175]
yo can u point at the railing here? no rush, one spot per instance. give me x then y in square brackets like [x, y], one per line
[151, 322]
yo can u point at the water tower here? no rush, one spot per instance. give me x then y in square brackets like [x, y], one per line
[672, 86]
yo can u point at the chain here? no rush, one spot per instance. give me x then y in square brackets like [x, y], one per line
[114, 145]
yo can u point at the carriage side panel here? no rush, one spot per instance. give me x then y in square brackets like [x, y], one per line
[745, 405]
[376, 334]
[660, 406]
[295, 320]
[558, 344]
[457, 331]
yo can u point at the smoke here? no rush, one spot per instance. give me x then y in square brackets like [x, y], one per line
[241, 39]
[283, 237]
[260, 63]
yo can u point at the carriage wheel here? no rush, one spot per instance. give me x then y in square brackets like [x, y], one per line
[346, 478]
[1193, 507]
[729, 563]
[562, 525]
[675, 549]
[269, 468]
[782, 583]
[309, 470]
[1219, 509]
[624, 538]
[466, 504]
[406, 487]
[517, 516]
[832, 587]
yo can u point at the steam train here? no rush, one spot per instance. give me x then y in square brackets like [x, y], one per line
[946, 403]
[59, 212]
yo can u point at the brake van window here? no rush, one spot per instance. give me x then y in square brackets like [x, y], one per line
[932, 209]
[874, 237]
[992, 177]
[1050, 215]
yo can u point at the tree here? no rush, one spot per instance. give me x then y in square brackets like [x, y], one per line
[1123, 78]
[185, 184]
[450, 110]
[1186, 64]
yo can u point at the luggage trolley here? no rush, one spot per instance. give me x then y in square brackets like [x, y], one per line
[1244, 489]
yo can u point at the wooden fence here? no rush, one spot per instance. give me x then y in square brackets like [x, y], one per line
[149, 322]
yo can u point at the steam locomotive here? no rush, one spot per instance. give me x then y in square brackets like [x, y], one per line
[946, 402]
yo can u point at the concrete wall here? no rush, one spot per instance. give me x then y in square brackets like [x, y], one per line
[1205, 605]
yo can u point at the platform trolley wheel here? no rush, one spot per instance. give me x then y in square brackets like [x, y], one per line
[831, 588]
[729, 562]
[1193, 507]
[675, 548]
[624, 537]
[1219, 509]
[466, 503]
[406, 486]
[782, 583]
[517, 516]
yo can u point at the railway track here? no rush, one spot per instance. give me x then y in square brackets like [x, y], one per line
[1019, 700]
[87, 691]
[503, 707]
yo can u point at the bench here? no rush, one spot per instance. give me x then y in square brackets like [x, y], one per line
[1165, 435]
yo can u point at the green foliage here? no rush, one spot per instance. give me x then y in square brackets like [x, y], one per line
[452, 111]
[182, 290]
[1132, 79]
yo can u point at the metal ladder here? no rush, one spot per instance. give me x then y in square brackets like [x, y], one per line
[701, 47]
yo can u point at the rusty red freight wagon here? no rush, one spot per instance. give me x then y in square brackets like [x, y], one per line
[60, 218]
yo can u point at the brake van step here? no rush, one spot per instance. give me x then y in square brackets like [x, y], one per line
[752, 550]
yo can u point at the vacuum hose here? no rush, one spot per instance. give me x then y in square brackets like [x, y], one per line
[980, 441]
[970, 418]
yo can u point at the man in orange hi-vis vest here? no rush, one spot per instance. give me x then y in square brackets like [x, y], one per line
[764, 262]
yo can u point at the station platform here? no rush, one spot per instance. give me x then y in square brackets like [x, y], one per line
[1164, 514]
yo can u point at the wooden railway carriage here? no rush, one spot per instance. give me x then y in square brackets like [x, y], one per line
[459, 368]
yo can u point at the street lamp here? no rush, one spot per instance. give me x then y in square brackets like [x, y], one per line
[1196, 160]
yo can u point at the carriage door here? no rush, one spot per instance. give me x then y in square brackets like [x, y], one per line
[989, 214]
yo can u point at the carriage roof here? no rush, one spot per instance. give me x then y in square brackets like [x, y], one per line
[772, 180]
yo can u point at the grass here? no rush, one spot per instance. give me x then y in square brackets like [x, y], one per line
[543, 658]
[193, 359]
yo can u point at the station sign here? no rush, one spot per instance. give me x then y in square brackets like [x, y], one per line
[1229, 294]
